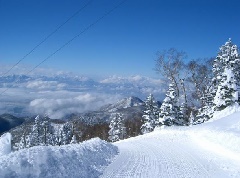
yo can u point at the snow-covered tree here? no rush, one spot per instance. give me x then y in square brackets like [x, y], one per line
[74, 140]
[191, 119]
[117, 130]
[150, 116]
[207, 109]
[226, 76]
[42, 132]
[36, 135]
[66, 133]
[48, 132]
[227, 58]
[24, 142]
[227, 93]
[169, 109]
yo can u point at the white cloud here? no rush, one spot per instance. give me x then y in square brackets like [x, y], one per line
[58, 93]
[43, 85]
[136, 79]
[58, 106]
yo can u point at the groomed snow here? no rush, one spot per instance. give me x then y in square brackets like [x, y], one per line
[87, 159]
[210, 150]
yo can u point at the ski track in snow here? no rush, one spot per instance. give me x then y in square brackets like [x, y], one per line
[169, 154]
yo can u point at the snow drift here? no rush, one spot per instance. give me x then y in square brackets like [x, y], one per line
[75, 160]
[5, 144]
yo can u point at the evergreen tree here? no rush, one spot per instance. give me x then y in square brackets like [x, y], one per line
[42, 132]
[169, 110]
[66, 133]
[36, 136]
[226, 76]
[227, 93]
[48, 132]
[117, 130]
[150, 116]
[227, 58]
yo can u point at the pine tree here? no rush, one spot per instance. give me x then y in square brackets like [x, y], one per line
[150, 116]
[226, 76]
[169, 109]
[227, 93]
[66, 133]
[42, 132]
[227, 58]
[48, 132]
[117, 130]
[36, 136]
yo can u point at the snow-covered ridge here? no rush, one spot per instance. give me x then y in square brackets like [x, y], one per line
[124, 103]
[87, 159]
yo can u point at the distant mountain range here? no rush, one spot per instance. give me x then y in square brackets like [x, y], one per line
[63, 94]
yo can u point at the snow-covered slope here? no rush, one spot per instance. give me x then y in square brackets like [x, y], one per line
[208, 150]
[76, 160]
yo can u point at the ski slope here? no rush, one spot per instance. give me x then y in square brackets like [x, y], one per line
[208, 150]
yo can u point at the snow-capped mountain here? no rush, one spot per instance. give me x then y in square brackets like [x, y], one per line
[130, 107]
[124, 103]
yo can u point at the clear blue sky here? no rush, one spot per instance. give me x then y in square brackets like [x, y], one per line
[123, 43]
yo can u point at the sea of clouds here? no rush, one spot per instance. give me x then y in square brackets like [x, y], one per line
[58, 93]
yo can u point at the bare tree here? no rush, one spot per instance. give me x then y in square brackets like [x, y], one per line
[200, 77]
[170, 65]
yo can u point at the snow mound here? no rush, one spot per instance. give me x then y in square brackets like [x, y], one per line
[5, 144]
[87, 159]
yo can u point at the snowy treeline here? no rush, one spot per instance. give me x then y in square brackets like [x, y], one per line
[195, 90]
[44, 133]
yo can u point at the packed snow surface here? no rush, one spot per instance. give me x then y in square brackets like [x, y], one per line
[76, 160]
[208, 150]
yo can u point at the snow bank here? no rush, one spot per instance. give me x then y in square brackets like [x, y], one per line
[75, 160]
[221, 133]
[226, 112]
[5, 144]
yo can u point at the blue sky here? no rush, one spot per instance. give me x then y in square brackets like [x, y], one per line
[124, 42]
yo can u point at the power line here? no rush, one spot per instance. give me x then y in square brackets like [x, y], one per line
[48, 36]
[72, 39]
